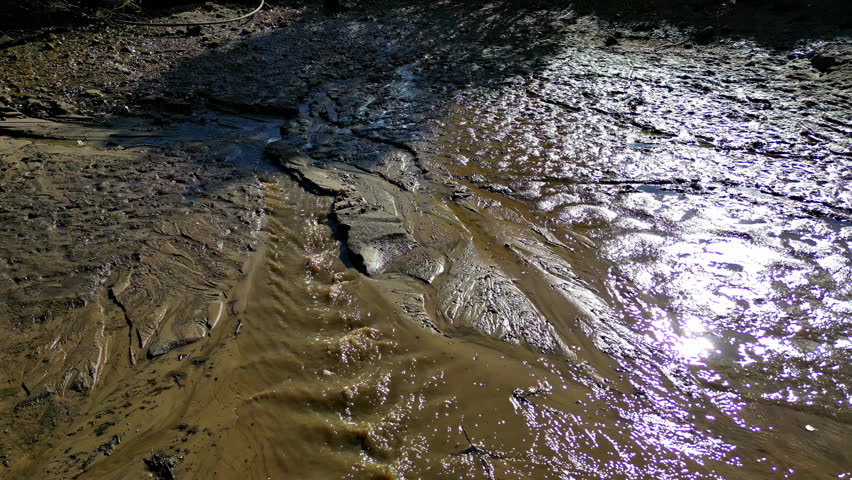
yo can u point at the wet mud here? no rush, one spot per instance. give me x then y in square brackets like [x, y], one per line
[439, 241]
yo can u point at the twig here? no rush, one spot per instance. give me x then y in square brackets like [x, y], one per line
[193, 24]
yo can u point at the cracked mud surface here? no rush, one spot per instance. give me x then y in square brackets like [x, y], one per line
[468, 241]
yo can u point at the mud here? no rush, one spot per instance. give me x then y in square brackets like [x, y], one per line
[112, 255]
[469, 241]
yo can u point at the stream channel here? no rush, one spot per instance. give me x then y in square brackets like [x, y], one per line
[435, 241]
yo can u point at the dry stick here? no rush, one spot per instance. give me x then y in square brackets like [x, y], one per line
[475, 449]
[481, 453]
[466, 436]
[217, 22]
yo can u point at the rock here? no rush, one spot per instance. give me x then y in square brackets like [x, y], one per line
[6, 40]
[93, 93]
[210, 6]
[194, 31]
[610, 41]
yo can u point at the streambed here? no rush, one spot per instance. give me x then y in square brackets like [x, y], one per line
[462, 242]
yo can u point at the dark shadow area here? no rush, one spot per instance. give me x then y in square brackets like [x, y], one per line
[774, 23]
[386, 71]
[23, 17]
[363, 86]
[462, 44]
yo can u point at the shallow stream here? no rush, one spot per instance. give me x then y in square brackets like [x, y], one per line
[561, 261]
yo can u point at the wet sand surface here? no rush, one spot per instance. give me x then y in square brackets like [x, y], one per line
[444, 241]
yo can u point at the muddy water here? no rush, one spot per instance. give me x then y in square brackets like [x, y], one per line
[316, 373]
[486, 257]
[733, 262]
[324, 379]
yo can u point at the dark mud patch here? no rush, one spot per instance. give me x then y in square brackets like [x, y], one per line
[162, 466]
